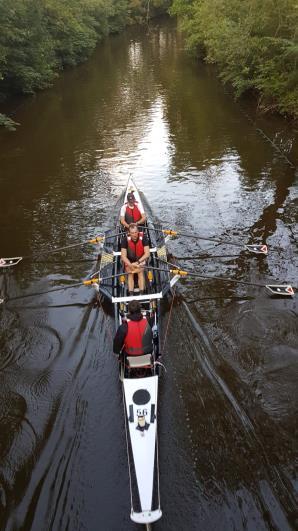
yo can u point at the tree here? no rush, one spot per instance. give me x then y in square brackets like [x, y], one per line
[253, 43]
[40, 37]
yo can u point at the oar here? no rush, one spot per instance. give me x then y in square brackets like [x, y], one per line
[206, 256]
[253, 248]
[98, 280]
[33, 294]
[9, 262]
[276, 289]
[59, 262]
[225, 297]
[95, 240]
[88, 282]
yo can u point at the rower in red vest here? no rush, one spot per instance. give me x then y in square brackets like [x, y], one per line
[135, 251]
[132, 212]
[134, 337]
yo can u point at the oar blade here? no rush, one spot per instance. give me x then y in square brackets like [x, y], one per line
[9, 262]
[283, 290]
[257, 249]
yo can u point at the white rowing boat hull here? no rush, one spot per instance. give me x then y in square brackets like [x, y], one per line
[141, 410]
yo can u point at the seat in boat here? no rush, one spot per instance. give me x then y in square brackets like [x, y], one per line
[137, 362]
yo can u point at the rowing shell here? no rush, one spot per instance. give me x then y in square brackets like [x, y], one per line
[139, 374]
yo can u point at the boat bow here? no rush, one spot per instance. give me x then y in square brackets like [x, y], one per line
[141, 408]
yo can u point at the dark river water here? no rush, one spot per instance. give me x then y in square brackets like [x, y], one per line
[229, 400]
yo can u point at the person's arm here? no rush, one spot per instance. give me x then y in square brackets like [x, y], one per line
[145, 256]
[123, 222]
[122, 217]
[143, 219]
[143, 215]
[124, 258]
[119, 338]
[130, 265]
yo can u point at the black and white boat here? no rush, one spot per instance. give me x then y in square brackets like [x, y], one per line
[139, 374]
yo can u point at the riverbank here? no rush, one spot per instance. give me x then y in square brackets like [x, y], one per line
[253, 45]
[39, 40]
[254, 52]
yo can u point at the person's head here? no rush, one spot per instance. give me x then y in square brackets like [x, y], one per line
[134, 308]
[133, 231]
[130, 199]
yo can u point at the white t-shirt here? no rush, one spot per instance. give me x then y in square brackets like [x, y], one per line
[123, 209]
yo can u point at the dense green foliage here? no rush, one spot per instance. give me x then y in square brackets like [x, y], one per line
[253, 42]
[40, 37]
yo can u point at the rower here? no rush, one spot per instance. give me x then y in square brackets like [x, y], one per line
[134, 336]
[135, 251]
[132, 212]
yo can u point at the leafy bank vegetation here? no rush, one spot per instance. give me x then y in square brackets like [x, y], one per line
[254, 43]
[39, 38]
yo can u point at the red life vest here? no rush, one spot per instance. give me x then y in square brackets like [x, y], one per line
[135, 249]
[132, 215]
[138, 339]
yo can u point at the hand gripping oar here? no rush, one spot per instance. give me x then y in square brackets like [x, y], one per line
[9, 262]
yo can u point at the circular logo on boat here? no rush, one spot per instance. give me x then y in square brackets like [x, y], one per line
[141, 397]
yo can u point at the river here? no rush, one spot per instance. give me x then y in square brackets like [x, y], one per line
[229, 399]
